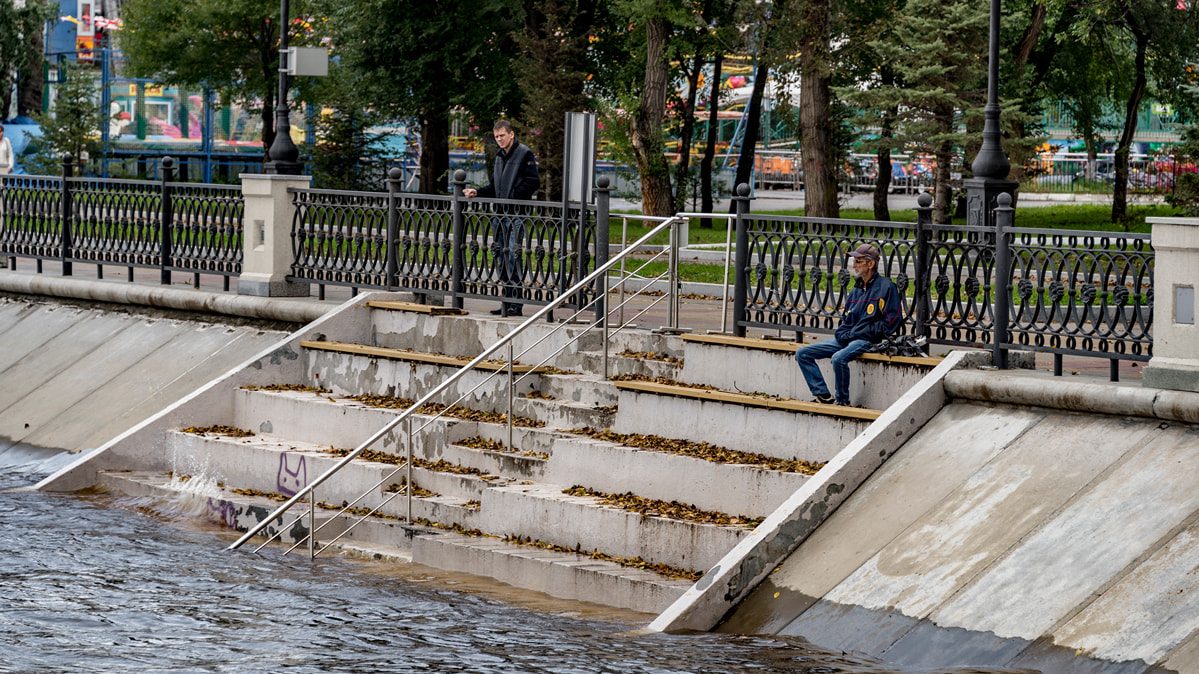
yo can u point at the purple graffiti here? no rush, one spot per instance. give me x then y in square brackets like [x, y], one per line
[291, 481]
[223, 511]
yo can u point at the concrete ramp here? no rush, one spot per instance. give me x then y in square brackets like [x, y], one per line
[1008, 535]
[76, 376]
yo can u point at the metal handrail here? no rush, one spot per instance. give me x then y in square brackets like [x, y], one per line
[452, 379]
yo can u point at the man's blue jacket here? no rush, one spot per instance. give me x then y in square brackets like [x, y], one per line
[872, 313]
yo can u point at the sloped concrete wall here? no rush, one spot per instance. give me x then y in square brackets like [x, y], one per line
[1004, 534]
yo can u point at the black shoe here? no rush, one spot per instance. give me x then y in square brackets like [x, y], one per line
[515, 311]
[498, 312]
[843, 404]
[825, 399]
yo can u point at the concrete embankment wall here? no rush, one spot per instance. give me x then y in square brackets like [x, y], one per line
[82, 361]
[1033, 523]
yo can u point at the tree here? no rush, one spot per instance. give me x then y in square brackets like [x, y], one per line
[939, 59]
[348, 153]
[815, 92]
[417, 63]
[73, 125]
[646, 128]
[551, 72]
[231, 46]
[20, 45]
[1152, 40]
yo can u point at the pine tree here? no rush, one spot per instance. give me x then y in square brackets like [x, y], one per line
[72, 125]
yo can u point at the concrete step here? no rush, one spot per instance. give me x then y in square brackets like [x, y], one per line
[768, 366]
[273, 465]
[372, 370]
[562, 574]
[620, 365]
[788, 429]
[588, 389]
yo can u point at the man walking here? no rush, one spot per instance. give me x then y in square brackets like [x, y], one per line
[514, 176]
[872, 312]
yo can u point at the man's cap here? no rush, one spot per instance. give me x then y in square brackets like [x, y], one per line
[867, 251]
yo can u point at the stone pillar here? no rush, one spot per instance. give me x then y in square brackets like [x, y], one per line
[266, 241]
[1175, 362]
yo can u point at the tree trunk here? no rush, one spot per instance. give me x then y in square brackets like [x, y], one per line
[883, 184]
[943, 189]
[31, 86]
[646, 137]
[434, 151]
[705, 166]
[753, 124]
[815, 113]
[682, 170]
[1120, 189]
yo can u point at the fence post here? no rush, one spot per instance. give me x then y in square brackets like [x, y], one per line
[920, 296]
[603, 196]
[268, 247]
[741, 264]
[1002, 287]
[166, 222]
[457, 268]
[68, 217]
[395, 180]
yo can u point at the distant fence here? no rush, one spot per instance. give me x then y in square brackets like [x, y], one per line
[160, 224]
[1063, 292]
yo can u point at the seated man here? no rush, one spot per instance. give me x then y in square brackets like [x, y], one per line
[872, 312]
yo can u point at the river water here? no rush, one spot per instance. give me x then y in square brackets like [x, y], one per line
[98, 583]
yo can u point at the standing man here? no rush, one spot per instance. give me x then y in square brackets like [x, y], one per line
[7, 160]
[514, 176]
[872, 312]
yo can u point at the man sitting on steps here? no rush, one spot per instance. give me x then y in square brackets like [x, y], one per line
[872, 312]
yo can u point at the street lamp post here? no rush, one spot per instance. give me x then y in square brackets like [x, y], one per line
[283, 156]
[991, 165]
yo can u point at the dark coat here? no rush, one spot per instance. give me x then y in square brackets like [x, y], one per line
[872, 313]
[514, 175]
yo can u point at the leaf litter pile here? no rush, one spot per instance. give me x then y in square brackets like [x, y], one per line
[230, 431]
[465, 413]
[287, 387]
[671, 510]
[701, 450]
[482, 443]
[652, 355]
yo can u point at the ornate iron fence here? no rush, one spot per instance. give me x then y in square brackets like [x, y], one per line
[1059, 292]
[520, 251]
[174, 227]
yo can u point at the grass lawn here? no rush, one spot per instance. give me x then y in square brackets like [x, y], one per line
[1091, 217]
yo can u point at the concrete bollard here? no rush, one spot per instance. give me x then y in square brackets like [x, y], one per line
[266, 241]
[1175, 362]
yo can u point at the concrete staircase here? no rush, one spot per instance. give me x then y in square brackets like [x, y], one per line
[606, 493]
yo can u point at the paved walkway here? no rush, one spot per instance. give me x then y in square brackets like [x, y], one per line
[696, 314]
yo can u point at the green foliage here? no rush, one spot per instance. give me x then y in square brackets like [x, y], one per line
[228, 45]
[1186, 187]
[348, 154]
[17, 25]
[73, 125]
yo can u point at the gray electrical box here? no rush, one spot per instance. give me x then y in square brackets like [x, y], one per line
[1184, 305]
[308, 61]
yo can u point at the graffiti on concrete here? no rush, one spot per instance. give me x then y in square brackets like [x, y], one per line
[223, 511]
[291, 480]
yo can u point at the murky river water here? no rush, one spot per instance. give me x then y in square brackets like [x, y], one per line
[101, 584]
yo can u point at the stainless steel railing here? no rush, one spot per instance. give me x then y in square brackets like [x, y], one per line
[600, 275]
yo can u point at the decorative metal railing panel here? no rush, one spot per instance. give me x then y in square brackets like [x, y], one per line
[425, 241]
[798, 271]
[32, 216]
[116, 221]
[542, 256]
[1081, 293]
[961, 274]
[208, 223]
[339, 238]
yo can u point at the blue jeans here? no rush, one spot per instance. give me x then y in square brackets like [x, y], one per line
[509, 232]
[840, 353]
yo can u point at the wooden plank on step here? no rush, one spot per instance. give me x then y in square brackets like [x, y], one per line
[791, 347]
[747, 400]
[430, 309]
[414, 356]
